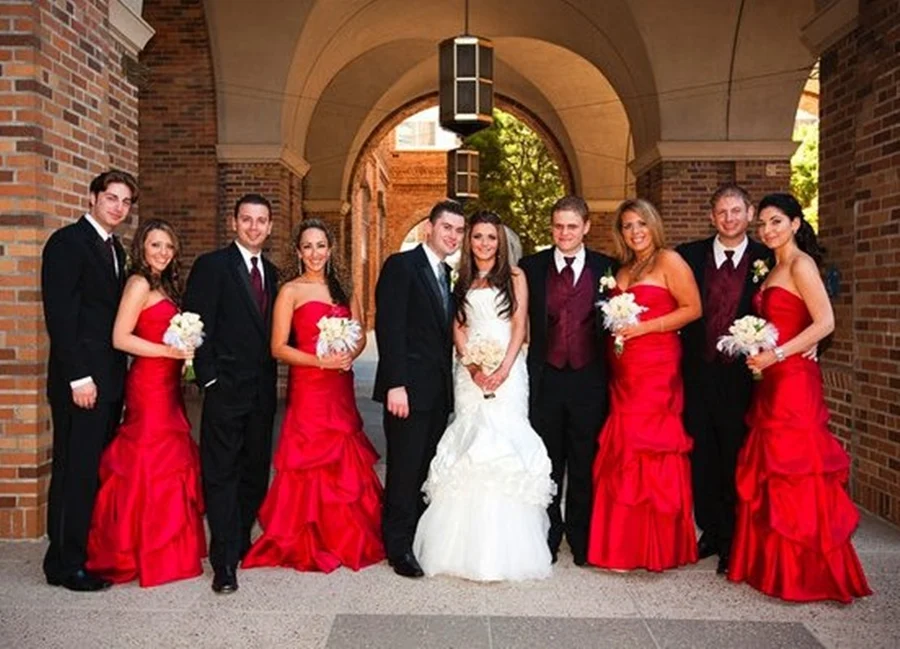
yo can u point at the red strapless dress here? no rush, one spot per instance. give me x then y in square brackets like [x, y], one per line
[323, 509]
[642, 516]
[148, 516]
[794, 517]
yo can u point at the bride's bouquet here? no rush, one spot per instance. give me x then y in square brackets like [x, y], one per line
[486, 353]
[618, 312]
[749, 336]
[337, 335]
[185, 332]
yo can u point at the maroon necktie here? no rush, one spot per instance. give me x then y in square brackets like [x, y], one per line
[568, 273]
[729, 260]
[257, 285]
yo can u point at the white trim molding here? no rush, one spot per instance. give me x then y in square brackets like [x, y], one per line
[256, 153]
[127, 25]
[830, 25]
[326, 206]
[665, 151]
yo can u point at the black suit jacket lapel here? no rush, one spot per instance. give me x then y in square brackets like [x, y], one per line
[98, 247]
[542, 269]
[426, 275]
[242, 276]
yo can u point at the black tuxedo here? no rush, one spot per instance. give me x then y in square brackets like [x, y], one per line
[567, 407]
[717, 396]
[81, 293]
[415, 347]
[239, 406]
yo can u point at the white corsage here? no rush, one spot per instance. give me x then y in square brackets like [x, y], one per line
[760, 270]
[607, 282]
[454, 277]
[748, 336]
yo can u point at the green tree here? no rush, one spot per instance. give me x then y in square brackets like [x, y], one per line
[805, 171]
[519, 178]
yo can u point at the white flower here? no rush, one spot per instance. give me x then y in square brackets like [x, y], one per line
[337, 335]
[185, 331]
[749, 336]
[454, 277]
[484, 352]
[618, 312]
[760, 270]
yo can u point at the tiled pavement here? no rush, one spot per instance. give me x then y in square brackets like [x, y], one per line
[578, 607]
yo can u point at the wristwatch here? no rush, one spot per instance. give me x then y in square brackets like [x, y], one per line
[779, 354]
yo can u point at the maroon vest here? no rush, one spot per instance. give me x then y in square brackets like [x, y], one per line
[722, 288]
[571, 332]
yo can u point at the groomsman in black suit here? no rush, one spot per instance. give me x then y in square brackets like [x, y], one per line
[567, 366]
[414, 380]
[233, 290]
[729, 268]
[82, 276]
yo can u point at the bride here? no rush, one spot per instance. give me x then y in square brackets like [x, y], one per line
[489, 483]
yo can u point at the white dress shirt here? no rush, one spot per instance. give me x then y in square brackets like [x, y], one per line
[246, 254]
[719, 252]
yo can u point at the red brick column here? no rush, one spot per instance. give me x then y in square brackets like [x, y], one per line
[859, 216]
[67, 112]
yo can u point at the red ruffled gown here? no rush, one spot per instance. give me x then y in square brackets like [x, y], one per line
[643, 508]
[148, 516]
[794, 517]
[323, 509]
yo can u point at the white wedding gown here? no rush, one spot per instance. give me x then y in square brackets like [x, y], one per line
[489, 483]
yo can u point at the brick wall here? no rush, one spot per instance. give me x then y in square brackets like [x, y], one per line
[67, 112]
[681, 190]
[178, 167]
[859, 208]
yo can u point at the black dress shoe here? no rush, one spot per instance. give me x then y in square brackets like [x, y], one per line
[580, 558]
[225, 580]
[406, 566]
[81, 581]
[722, 566]
[706, 547]
[554, 556]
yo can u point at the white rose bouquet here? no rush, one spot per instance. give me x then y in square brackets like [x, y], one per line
[749, 336]
[185, 332]
[618, 312]
[486, 353]
[337, 335]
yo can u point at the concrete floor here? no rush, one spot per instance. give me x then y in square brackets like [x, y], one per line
[578, 607]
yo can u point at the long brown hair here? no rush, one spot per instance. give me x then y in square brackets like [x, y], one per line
[338, 286]
[169, 281]
[499, 276]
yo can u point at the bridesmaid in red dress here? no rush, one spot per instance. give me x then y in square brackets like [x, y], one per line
[794, 517]
[643, 509]
[148, 517]
[323, 509]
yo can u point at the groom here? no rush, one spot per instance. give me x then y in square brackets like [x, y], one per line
[414, 313]
[567, 366]
[233, 290]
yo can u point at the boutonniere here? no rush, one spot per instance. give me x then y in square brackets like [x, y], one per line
[607, 282]
[454, 277]
[760, 270]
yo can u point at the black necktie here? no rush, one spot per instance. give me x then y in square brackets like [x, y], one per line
[111, 253]
[568, 273]
[257, 285]
[442, 284]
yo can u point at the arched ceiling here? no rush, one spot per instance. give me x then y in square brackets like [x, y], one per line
[317, 77]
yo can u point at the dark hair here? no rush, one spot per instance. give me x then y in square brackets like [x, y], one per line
[730, 189]
[169, 281]
[107, 178]
[573, 204]
[445, 206]
[805, 237]
[499, 276]
[252, 199]
[333, 270]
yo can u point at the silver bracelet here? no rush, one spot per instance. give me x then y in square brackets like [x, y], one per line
[779, 354]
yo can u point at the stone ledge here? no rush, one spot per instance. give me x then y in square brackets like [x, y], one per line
[127, 25]
[668, 150]
[256, 153]
[830, 25]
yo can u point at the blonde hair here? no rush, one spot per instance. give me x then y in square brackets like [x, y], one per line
[650, 216]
